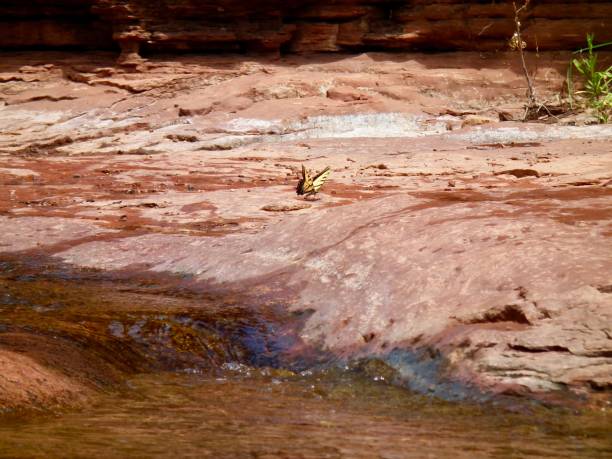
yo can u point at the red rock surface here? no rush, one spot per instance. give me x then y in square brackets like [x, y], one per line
[25, 382]
[480, 245]
[300, 26]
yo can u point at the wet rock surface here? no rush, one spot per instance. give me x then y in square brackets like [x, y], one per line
[470, 258]
[65, 335]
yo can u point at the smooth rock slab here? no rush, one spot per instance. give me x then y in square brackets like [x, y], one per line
[511, 296]
[25, 233]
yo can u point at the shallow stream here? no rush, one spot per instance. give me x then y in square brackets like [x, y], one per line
[269, 414]
[221, 398]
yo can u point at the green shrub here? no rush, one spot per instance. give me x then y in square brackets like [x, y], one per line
[597, 83]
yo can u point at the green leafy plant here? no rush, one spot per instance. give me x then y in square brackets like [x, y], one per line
[597, 83]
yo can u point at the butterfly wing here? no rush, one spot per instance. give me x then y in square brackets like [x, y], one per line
[304, 185]
[320, 178]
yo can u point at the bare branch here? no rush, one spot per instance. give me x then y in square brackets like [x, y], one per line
[531, 95]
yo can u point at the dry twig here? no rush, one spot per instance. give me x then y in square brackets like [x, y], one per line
[531, 94]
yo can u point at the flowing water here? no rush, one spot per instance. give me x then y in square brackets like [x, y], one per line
[269, 414]
[210, 405]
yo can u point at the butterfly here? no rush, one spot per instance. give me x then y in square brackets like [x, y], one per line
[309, 185]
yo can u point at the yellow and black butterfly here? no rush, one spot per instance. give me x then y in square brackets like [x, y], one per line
[309, 185]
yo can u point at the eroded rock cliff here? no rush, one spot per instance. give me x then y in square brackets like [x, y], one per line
[299, 25]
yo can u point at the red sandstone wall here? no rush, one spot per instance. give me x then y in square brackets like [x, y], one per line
[52, 24]
[300, 25]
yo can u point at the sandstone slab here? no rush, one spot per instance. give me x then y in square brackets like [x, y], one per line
[476, 255]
